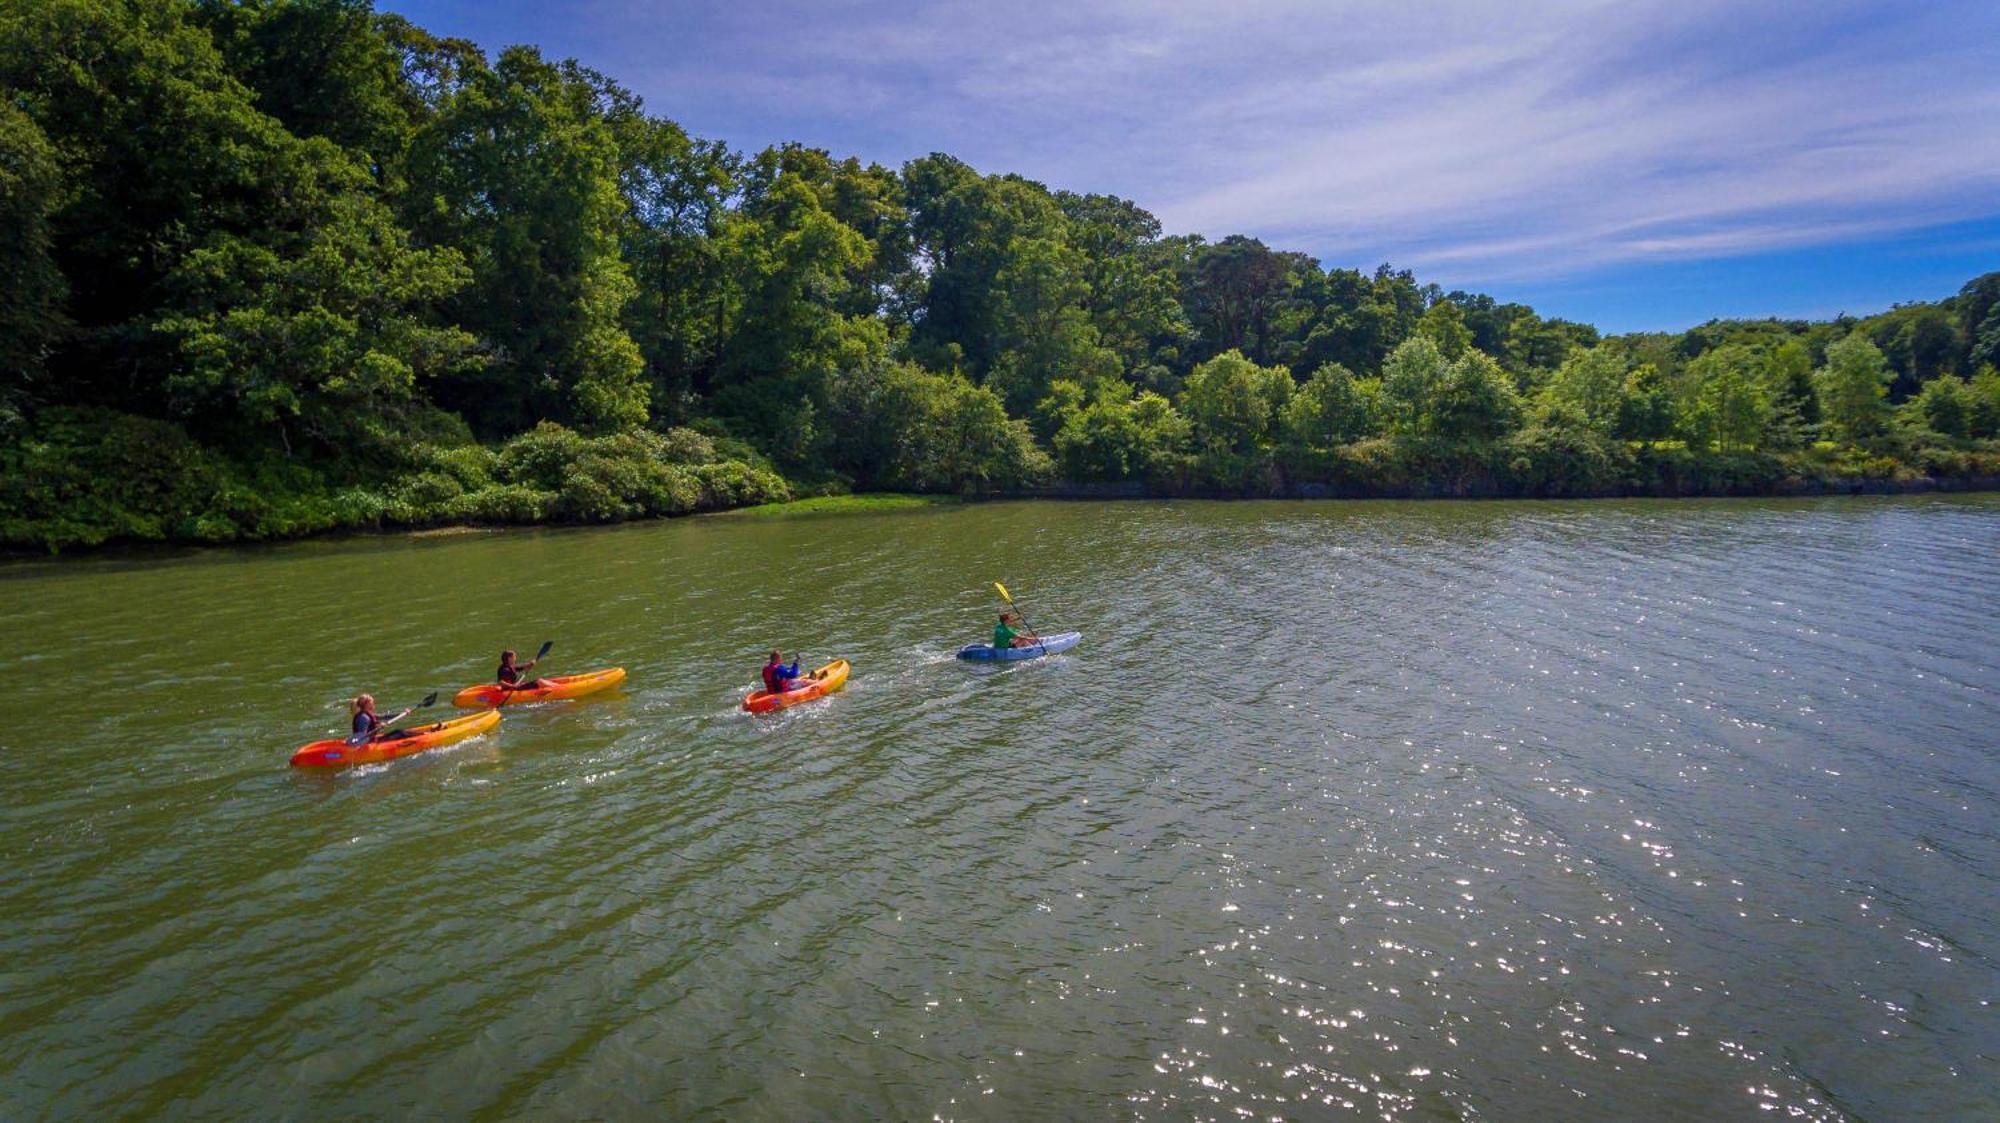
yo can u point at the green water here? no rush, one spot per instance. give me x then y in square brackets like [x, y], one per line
[1416, 811]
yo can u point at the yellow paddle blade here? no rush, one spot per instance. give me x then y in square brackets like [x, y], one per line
[1003, 592]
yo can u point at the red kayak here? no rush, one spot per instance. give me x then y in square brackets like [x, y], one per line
[400, 742]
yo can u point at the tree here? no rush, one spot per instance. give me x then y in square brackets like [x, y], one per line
[1944, 407]
[1788, 384]
[1983, 414]
[1109, 433]
[323, 68]
[1411, 381]
[1234, 404]
[1328, 411]
[1732, 410]
[1131, 293]
[1978, 308]
[1592, 385]
[897, 425]
[519, 171]
[1646, 411]
[1444, 324]
[31, 286]
[1235, 291]
[1476, 401]
[1853, 386]
[327, 333]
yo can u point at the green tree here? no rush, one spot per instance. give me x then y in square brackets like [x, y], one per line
[1328, 411]
[519, 171]
[1983, 412]
[1732, 410]
[323, 68]
[897, 425]
[1476, 401]
[1853, 387]
[1234, 404]
[1444, 324]
[1788, 384]
[1109, 433]
[1591, 384]
[327, 333]
[1412, 378]
[1944, 407]
[1235, 291]
[31, 286]
[1646, 411]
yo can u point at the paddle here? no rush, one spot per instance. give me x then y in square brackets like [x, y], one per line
[1004, 595]
[429, 700]
[546, 644]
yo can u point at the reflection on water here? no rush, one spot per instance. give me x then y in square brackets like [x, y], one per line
[1403, 810]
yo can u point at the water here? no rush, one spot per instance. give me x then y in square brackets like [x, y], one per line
[1404, 811]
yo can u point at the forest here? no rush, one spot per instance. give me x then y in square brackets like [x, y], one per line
[277, 267]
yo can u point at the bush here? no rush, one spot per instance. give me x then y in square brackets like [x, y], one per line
[1555, 460]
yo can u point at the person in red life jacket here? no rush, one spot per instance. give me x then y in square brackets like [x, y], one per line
[513, 677]
[779, 678]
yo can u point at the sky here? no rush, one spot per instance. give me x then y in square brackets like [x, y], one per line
[1639, 165]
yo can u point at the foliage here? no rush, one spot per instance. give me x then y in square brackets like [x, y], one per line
[900, 427]
[1853, 389]
[1112, 433]
[275, 267]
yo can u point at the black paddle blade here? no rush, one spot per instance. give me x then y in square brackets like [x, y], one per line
[546, 644]
[429, 700]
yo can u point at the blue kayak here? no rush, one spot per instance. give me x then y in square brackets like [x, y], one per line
[987, 653]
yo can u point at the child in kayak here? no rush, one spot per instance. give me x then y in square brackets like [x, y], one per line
[510, 676]
[1005, 636]
[362, 708]
[779, 678]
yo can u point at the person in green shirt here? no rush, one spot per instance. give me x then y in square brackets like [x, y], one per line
[1005, 635]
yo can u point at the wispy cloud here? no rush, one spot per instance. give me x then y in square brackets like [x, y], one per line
[1488, 141]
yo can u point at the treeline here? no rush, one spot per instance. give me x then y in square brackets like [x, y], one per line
[277, 266]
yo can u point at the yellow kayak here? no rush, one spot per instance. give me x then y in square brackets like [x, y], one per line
[558, 686]
[822, 682]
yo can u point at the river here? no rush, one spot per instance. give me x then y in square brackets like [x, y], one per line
[1395, 810]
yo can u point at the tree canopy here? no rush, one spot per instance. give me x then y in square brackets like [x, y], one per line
[310, 248]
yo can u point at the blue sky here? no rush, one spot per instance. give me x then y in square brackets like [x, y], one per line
[1639, 165]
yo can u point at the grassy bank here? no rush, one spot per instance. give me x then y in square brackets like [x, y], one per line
[872, 503]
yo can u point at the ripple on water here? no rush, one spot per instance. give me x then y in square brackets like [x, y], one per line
[1405, 810]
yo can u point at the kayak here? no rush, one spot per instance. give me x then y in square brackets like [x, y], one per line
[987, 653]
[396, 742]
[559, 686]
[825, 681]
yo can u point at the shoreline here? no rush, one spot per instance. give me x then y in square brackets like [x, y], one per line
[893, 502]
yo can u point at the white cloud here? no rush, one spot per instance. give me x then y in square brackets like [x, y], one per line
[1489, 140]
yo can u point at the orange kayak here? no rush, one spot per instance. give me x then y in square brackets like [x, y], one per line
[396, 742]
[824, 681]
[559, 686]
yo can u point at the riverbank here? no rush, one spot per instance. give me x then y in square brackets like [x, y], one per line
[876, 503]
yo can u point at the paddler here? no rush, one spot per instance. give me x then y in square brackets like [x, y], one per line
[511, 676]
[1005, 635]
[779, 678]
[362, 709]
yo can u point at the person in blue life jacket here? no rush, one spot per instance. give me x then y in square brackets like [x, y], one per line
[514, 677]
[1005, 635]
[362, 708]
[778, 678]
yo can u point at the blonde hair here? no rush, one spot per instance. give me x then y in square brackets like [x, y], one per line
[355, 703]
